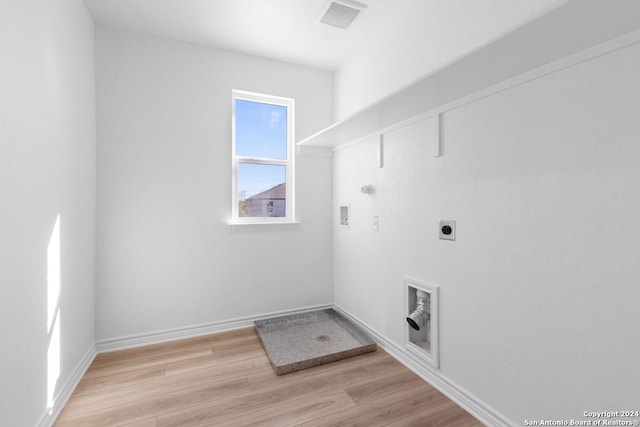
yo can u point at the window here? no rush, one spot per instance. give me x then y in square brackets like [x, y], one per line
[263, 158]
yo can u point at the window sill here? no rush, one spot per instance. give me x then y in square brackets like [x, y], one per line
[263, 226]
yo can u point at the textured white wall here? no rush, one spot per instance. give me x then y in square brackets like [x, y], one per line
[539, 313]
[47, 169]
[165, 257]
[419, 38]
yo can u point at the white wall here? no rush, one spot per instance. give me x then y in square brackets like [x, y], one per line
[419, 39]
[47, 170]
[165, 257]
[539, 313]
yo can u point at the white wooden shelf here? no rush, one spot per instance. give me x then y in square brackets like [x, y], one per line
[567, 30]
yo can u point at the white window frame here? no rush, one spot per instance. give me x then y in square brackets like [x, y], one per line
[288, 163]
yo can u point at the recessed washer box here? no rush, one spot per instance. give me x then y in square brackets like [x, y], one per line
[422, 342]
[344, 216]
[447, 229]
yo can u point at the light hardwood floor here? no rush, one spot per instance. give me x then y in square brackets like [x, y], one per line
[225, 380]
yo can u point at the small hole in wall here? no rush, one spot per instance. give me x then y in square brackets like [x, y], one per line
[344, 216]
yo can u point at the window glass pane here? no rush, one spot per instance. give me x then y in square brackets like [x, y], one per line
[261, 130]
[262, 190]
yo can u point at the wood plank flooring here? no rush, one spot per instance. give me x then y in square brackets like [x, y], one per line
[226, 380]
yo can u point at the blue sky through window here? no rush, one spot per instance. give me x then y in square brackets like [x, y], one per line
[261, 130]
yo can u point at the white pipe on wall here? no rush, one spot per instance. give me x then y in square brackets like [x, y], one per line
[420, 315]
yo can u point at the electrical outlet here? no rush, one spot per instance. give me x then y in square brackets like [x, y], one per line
[374, 223]
[447, 230]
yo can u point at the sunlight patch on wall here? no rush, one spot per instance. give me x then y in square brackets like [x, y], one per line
[53, 274]
[53, 312]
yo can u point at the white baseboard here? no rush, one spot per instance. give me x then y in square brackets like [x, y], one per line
[62, 396]
[464, 399]
[133, 341]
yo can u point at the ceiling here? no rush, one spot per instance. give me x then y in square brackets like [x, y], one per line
[288, 30]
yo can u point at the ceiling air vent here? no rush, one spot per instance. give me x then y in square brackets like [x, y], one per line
[341, 13]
